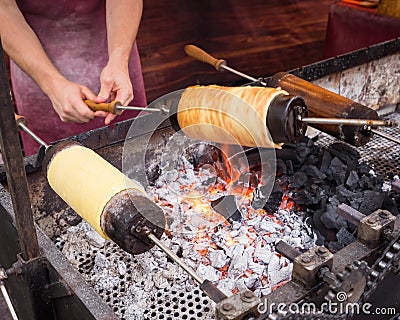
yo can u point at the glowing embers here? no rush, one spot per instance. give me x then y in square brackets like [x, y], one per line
[234, 253]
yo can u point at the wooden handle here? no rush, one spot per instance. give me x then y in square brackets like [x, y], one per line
[200, 54]
[20, 119]
[111, 107]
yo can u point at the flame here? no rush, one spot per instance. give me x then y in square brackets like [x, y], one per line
[229, 181]
[229, 241]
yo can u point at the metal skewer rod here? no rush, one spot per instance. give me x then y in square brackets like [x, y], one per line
[218, 64]
[116, 107]
[174, 257]
[33, 135]
[139, 108]
[386, 136]
[8, 301]
[241, 74]
[355, 122]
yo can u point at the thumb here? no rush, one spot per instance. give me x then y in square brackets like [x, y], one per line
[104, 92]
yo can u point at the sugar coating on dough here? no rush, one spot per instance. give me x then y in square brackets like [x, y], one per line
[231, 115]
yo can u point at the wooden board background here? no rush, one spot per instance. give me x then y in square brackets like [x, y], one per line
[259, 37]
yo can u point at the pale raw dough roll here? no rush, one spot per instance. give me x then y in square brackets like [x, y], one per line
[231, 115]
[86, 182]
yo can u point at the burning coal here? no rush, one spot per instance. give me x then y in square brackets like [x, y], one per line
[221, 234]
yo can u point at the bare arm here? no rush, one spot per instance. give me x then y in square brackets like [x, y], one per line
[22, 45]
[123, 19]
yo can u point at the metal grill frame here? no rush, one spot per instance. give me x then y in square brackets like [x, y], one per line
[105, 141]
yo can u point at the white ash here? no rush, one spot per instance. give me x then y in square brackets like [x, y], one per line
[231, 256]
[257, 268]
[132, 282]
[95, 239]
[217, 258]
[386, 186]
[238, 266]
[208, 272]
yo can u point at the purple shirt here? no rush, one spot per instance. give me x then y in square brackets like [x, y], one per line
[74, 36]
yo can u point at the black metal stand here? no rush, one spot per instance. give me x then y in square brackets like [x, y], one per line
[34, 272]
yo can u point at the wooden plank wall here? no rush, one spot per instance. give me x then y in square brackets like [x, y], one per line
[259, 37]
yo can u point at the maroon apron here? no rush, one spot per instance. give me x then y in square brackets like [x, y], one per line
[74, 36]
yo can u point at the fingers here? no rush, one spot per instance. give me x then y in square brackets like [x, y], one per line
[105, 90]
[69, 104]
[110, 117]
[124, 96]
[102, 114]
[76, 111]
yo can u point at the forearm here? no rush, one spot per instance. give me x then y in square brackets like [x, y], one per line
[23, 46]
[123, 18]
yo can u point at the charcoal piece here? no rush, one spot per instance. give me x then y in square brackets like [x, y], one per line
[289, 154]
[390, 204]
[344, 237]
[329, 235]
[336, 166]
[289, 166]
[325, 161]
[331, 219]
[343, 194]
[334, 201]
[372, 201]
[284, 180]
[313, 172]
[315, 193]
[304, 151]
[199, 154]
[363, 168]
[261, 194]
[352, 180]
[227, 207]
[312, 160]
[280, 167]
[277, 187]
[273, 202]
[345, 153]
[339, 177]
[364, 182]
[297, 180]
[301, 198]
[337, 171]
[153, 173]
[320, 238]
[309, 142]
[356, 202]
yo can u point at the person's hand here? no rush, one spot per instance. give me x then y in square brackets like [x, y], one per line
[115, 85]
[67, 99]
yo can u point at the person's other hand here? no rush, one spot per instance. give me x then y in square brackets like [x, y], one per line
[115, 85]
[67, 99]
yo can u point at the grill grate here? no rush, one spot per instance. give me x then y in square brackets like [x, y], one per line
[131, 294]
[172, 302]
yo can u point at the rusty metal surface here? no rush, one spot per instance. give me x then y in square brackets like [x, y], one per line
[83, 303]
[126, 218]
[12, 156]
[374, 84]
[369, 76]
[53, 215]
[347, 61]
